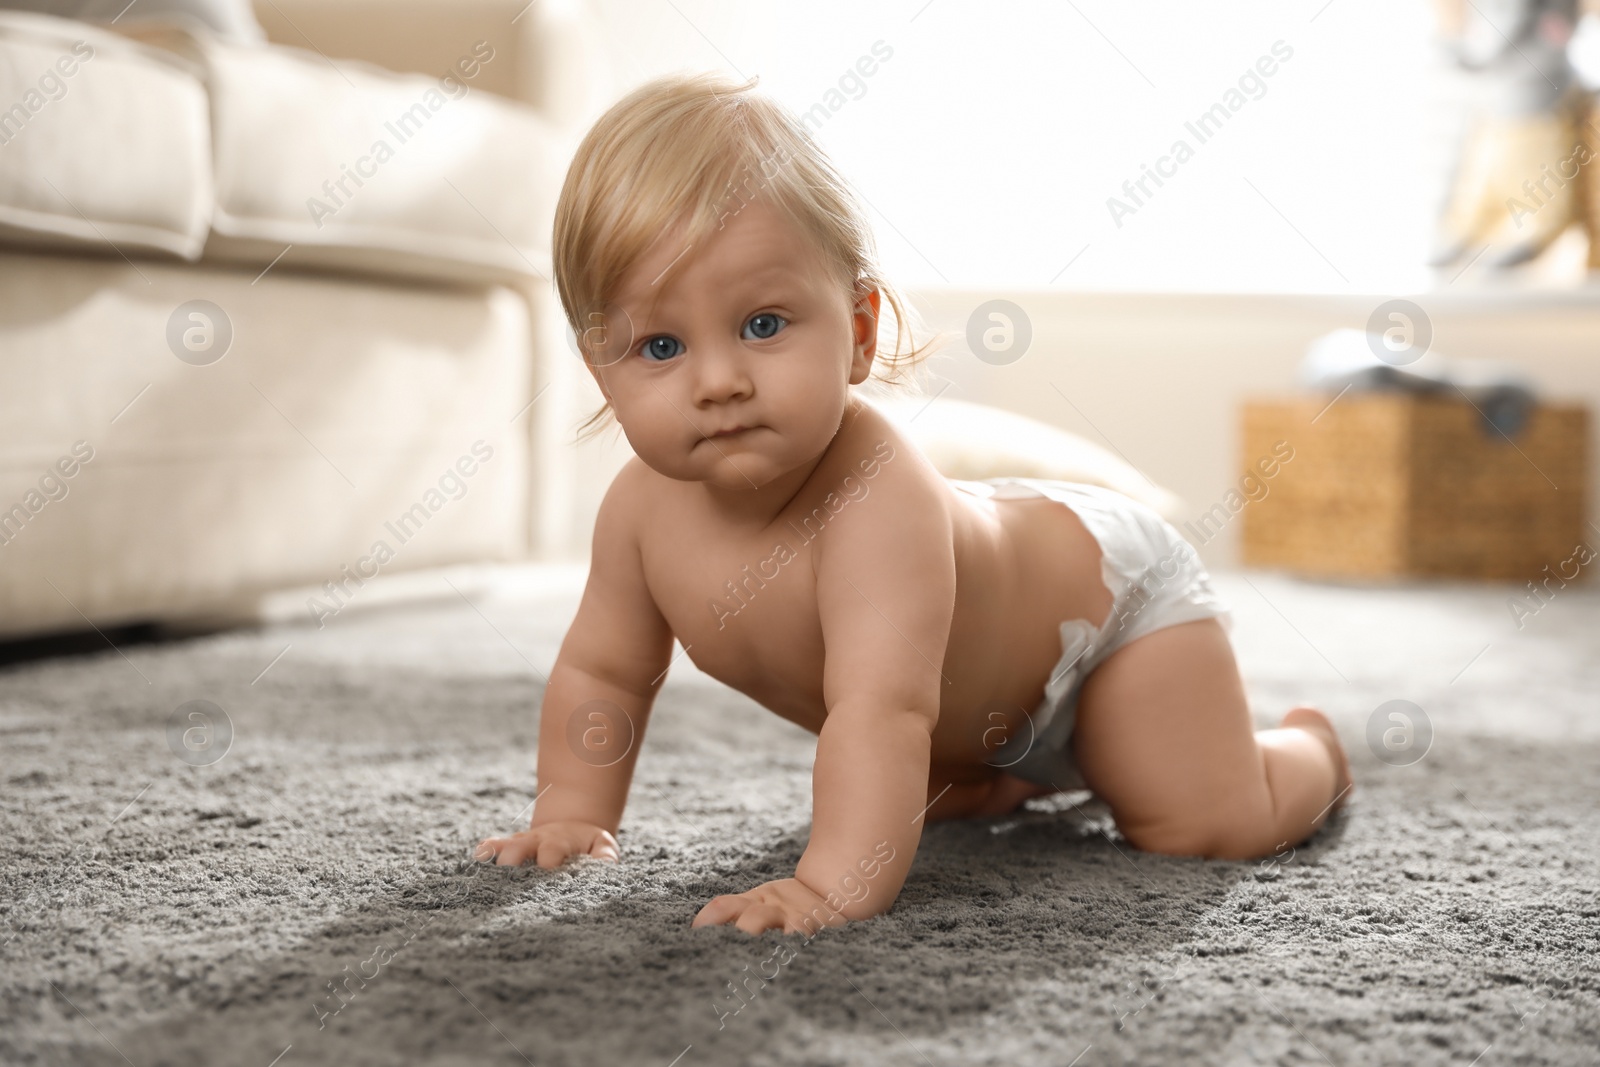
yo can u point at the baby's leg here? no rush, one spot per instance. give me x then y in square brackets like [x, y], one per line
[1164, 737]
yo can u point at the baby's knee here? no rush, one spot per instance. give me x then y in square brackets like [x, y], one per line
[1211, 834]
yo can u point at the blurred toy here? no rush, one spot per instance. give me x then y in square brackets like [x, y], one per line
[1583, 54]
[1502, 394]
[1521, 170]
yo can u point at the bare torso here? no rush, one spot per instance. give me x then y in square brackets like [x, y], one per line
[743, 603]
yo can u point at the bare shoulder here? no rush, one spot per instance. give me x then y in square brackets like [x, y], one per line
[872, 449]
[619, 632]
[902, 502]
[632, 481]
[615, 557]
[635, 491]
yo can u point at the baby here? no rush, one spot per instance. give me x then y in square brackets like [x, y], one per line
[956, 646]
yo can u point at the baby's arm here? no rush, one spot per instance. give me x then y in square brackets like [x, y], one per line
[610, 666]
[885, 591]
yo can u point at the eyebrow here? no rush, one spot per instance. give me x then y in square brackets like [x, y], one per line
[766, 273]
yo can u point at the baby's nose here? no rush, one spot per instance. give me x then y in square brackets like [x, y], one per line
[721, 375]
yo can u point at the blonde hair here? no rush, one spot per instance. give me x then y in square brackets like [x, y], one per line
[680, 149]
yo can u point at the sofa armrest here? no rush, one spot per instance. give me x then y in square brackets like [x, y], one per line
[546, 53]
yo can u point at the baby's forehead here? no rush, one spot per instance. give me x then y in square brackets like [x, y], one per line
[729, 264]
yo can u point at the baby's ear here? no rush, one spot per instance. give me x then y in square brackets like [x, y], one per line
[864, 319]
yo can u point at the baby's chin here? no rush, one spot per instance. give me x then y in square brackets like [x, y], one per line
[733, 469]
[742, 471]
[738, 463]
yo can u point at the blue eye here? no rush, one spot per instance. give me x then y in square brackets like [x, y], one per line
[765, 325]
[660, 349]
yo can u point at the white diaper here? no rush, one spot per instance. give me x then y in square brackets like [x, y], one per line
[1156, 580]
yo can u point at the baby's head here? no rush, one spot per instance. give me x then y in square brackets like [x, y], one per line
[719, 273]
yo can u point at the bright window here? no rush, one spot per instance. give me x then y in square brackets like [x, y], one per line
[991, 140]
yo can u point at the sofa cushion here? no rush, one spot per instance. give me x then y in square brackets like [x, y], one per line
[78, 103]
[349, 166]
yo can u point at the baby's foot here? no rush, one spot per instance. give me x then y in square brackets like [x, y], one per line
[1316, 724]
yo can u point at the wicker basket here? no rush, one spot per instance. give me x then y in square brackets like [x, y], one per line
[1388, 486]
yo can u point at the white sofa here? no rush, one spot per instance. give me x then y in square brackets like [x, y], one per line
[266, 309]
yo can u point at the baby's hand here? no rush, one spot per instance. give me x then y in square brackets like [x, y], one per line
[786, 904]
[550, 844]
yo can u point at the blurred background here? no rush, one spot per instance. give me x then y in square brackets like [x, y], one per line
[275, 278]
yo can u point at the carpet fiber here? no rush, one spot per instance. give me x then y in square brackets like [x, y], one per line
[307, 898]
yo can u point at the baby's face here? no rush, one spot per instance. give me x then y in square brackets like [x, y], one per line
[752, 332]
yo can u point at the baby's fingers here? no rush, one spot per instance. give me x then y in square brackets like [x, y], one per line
[508, 851]
[760, 917]
[553, 852]
[489, 848]
[512, 851]
[550, 846]
[719, 910]
[605, 847]
[555, 849]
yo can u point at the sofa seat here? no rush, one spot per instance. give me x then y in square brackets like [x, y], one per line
[138, 483]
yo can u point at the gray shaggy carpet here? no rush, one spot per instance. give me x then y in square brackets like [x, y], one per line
[307, 898]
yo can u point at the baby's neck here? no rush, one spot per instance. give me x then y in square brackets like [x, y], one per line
[757, 507]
